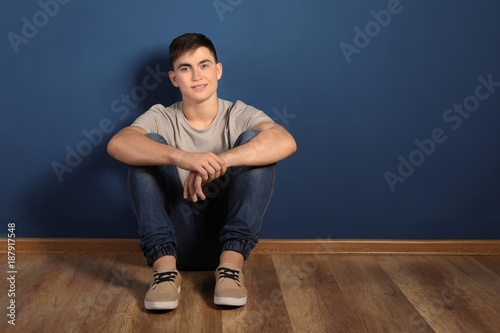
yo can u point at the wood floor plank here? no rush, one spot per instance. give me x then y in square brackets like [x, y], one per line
[66, 293]
[198, 297]
[383, 307]
[481, 287]
[265, 310]
[32, 271]
[118, 301]
[287, 293]
[440, 294]
[313, 299]
[492, 262]
[195, 312]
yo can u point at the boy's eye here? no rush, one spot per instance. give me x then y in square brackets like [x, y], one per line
[204, 66]
[184, 69]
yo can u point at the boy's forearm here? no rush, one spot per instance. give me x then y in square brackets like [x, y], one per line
[267, 147]
[134, 148]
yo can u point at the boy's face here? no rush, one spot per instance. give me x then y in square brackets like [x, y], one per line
[196, 74]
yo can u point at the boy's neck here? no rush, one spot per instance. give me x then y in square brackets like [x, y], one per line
[200, 115]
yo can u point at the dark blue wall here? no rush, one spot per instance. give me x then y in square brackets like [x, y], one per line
[373, 91]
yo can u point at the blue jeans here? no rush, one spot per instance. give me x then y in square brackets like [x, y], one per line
[196, 233]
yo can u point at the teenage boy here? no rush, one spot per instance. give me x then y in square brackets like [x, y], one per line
[201, 177]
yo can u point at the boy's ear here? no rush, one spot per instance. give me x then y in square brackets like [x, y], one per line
[219, 71]
[173, 78]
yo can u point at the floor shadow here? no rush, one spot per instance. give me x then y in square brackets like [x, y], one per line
[205, 287]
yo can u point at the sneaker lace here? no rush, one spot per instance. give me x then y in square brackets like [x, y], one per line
[164, 277]
[229, 273]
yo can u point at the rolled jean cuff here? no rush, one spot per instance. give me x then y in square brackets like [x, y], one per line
[242, 246]
[160, 251]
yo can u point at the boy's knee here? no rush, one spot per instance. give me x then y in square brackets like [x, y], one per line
[246, 137]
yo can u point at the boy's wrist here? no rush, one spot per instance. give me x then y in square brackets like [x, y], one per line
[226, 156]
[176, 157]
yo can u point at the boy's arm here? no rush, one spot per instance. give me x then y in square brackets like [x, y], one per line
[133, 147]
[271, 145]
[274, 143]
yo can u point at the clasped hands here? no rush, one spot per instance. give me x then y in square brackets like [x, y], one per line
[204, 168]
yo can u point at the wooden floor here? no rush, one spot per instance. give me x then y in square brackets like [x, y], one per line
[287, 293]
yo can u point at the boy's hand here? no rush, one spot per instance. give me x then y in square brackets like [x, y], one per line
[204, 167]
[193, 186]
[208, 165]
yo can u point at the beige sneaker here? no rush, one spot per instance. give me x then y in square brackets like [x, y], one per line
[163, 293]
[229, 287]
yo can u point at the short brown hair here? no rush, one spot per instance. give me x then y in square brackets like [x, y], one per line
[189, 42]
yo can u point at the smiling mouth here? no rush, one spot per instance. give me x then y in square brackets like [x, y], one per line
[200, 86]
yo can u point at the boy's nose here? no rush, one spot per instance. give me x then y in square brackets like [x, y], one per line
[196, 74]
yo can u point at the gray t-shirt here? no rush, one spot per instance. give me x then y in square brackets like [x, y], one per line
[231, 120]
